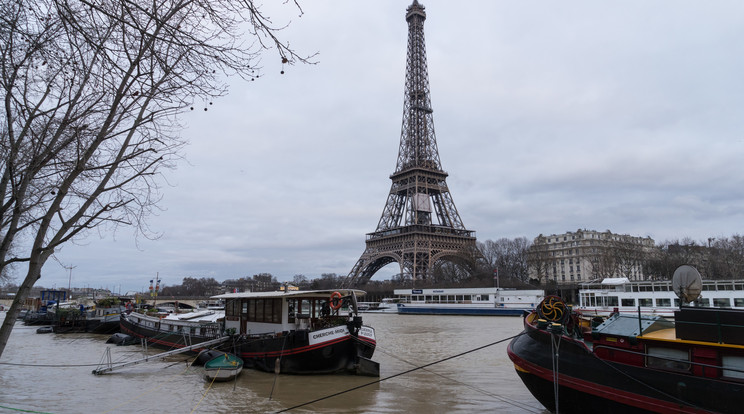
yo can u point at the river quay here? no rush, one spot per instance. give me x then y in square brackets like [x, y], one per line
[52, 373]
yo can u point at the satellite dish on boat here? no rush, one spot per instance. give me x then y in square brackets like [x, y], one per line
[687, 283]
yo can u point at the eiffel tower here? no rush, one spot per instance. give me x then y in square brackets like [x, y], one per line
[420, 225]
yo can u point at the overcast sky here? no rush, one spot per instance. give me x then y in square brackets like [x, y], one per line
[549, 116]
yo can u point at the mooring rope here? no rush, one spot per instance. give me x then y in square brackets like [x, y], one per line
[207, 391]
[501, 398]
[23, 411]
[277, 366]
[630, 377]
[555, 345]
[398, 374]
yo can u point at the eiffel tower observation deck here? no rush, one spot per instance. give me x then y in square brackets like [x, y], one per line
[420, 227]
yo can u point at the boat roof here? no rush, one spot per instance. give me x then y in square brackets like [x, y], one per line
[615, 281]
[631, 325]
[467, 291]
[198, 316]
[290, 293]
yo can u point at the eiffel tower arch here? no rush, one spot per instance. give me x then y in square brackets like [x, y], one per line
[420, 226]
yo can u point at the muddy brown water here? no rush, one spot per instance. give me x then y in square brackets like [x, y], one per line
[51, 373]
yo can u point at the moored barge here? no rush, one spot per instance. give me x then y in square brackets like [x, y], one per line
[291, 332]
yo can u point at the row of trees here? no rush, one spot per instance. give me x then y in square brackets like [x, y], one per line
[721, 258]
[716, 258]
[519, 262]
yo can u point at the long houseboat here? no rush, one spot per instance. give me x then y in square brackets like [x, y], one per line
[291, 332]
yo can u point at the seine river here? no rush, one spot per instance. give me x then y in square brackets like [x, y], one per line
[50, 373]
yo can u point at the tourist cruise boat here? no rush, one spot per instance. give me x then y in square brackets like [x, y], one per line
[467, 301]
[654, 297]
[291, 331]
[633, 363]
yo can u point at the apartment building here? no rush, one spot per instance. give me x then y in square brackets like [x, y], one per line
[585, 255]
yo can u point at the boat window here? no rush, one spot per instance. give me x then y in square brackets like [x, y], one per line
[611, 301]
[668, 358]
[263, 310]
[703, 302]
[676, 302]
[291, 306]
[647, 302]
[467, 297]
[259, 310]
[733, 366]
[276, 316]
[230, 308]
[722, 302]
[305, 307]
[251, 314]
[739, 302]
[628, 302]
[664, 302]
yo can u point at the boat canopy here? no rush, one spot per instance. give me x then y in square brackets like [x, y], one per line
[614, 281]
[629, 325]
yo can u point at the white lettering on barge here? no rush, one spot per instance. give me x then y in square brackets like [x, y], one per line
[367, 332]
[328, 334]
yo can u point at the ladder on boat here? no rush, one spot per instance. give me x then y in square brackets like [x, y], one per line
[109, 366]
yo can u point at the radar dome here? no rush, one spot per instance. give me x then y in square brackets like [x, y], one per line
[687, 283]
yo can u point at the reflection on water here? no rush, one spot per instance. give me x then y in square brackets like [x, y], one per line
[60, 380]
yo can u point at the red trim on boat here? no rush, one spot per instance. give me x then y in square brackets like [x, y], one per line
[606, 392]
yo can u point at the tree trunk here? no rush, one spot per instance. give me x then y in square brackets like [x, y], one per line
[34, 273]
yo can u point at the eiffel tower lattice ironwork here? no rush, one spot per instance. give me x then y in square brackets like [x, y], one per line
[420, 225]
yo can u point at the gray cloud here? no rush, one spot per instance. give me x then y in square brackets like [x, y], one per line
[549, 117]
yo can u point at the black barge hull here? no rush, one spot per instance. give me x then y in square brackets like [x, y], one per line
[294, 350]
[588, 384]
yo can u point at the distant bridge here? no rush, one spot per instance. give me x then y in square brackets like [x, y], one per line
[189, 302]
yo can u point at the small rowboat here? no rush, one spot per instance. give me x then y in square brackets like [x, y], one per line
[223, 368]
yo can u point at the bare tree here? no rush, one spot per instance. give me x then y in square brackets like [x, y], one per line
[91, 91]
[539, 258]
[509, 256]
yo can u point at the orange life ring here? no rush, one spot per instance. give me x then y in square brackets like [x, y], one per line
[336, 300]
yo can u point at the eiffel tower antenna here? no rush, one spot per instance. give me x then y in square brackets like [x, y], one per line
[420, 224]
